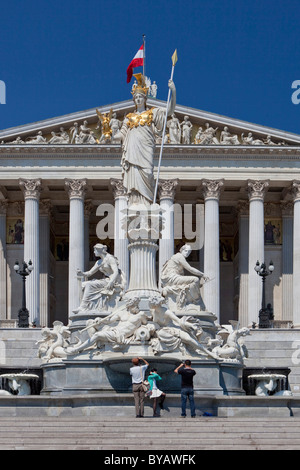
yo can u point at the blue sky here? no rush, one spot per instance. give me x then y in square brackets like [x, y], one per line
[236, 58]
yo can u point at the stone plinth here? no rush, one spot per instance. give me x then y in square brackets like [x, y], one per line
[82, 375]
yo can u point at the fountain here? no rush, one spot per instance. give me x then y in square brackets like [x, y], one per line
[18, 383]
[93, 353]
[269, 384]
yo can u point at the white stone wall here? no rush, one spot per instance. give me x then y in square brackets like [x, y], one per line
[18, 348]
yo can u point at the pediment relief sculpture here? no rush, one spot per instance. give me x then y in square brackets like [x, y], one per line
[180, 131]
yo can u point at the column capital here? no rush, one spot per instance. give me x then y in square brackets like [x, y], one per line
[88, 207]
[295, 190]
[117, 188]
[257, 189]
[212, 188]
[287, 208]
[45, 207]
[76, 188]
[167, 188]
[31, 188]
[3, 206]
[242, 208]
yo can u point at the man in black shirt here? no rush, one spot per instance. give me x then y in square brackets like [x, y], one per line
[187, 387]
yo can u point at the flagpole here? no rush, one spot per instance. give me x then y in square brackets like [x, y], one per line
[144, 54]
[174, 60]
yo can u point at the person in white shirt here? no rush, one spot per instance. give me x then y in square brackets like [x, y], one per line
[137, 373]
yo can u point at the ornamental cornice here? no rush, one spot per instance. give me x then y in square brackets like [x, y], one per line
[170, 151]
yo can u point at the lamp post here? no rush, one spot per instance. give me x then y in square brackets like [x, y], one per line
[265, 313]
[23, 313]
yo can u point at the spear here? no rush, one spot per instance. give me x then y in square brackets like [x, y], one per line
[174, 60]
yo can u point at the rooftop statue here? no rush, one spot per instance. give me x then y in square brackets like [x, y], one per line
[38, 139]
[249, 140]
[104, 125]
[174, 130]
[138, 142]
[228, 139]
[186, 130]
[61, 138]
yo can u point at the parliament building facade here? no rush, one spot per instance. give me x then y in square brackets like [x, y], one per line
[235, 191]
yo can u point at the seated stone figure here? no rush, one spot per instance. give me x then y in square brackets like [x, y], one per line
[176, 285]
[102, 294]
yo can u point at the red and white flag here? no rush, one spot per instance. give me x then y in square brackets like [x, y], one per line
[137, 61]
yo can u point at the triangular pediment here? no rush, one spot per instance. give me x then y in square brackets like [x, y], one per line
[207, 129]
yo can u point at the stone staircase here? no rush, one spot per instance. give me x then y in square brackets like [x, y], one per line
[149, 434]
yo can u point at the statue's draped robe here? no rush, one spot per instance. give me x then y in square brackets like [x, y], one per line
[174, 281]
[139, 131]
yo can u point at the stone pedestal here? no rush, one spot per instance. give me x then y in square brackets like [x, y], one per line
[100, 376]
[143, 229]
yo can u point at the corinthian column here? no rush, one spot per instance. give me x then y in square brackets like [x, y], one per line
[296, 254]
[211, 290]
[120, 239]
[167, 191]
[88, 207]
[3, 266]
[45, 212]
[287, 259]
[243, 212]
[76, 190]
[256, 194]
[31, 190]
